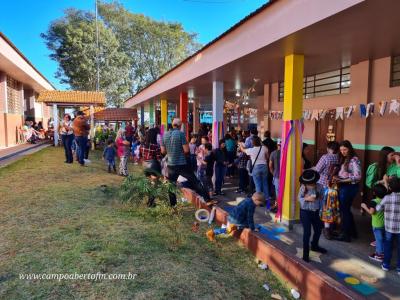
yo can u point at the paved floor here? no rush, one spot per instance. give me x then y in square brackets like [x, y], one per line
[343, 259]
[12, 154]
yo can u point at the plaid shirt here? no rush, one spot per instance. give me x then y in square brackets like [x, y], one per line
[391, 206]
[148, 153]
[241, 161]
[324, 166]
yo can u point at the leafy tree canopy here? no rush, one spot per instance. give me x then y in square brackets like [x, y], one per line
[134, 50]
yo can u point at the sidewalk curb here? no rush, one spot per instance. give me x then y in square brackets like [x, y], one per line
[8, 156]
[309, 281]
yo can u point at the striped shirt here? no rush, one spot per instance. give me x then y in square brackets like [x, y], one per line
[173, 141]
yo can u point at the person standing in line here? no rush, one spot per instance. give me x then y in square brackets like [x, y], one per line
[67, 137]
[81, 129]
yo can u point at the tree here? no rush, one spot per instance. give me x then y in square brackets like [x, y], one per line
[153, 47]
[72, 41]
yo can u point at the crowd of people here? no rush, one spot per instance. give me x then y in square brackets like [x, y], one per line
[327, 190]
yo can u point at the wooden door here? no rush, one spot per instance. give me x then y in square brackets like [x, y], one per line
[325, 129]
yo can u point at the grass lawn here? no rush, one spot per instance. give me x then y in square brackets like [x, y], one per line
[55, 218]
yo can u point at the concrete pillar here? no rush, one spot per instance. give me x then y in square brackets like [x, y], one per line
[55, 124]
[196, 116]
[3, 110]
[292, 116]
[164, 115]
[183, 112]
[218, 112]
[151, 112]
[142, 115]
[267, 106]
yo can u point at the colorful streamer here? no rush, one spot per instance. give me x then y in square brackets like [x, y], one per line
[218, 133]
[292, 140]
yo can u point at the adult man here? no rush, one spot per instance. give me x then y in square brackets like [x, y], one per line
[268, 142]
[81, 131]
[248, 141]
[274, 166]
[174, 144]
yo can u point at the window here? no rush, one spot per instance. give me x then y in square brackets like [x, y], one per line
[325, 84]
[395, 72]
[13, 96]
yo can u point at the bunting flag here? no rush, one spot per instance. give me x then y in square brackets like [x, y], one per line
[382, 108]
[217, 133]
[292, 142]
[370, 109]
[339, 113]
[363, 111]
[349, 111]
[394, 107]
[323, 114]
[315, 115]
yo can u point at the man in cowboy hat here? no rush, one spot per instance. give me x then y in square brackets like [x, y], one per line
[311, 195]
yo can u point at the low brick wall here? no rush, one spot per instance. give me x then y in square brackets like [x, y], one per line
[309, 281]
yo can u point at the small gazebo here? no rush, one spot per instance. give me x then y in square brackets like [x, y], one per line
[116, 115]
[72, 99]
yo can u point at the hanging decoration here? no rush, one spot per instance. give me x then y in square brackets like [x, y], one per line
[370, 109]
[394, 107]
[339, 113]
[382, 108]
[315, 115]
[349, 111]
[363, 111]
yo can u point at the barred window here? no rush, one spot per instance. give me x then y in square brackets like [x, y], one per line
[395, 72]
[323, 84]
[13, 96]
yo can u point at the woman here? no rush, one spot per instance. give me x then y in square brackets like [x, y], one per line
[67, 137]
[123, 149]
[259, 157]
[231, 152]
[150, 149]
[348, 181]
[386, 166]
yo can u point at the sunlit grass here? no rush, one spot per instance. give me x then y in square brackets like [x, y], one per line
[55, 218]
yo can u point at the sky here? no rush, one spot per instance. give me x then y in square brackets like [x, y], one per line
[22, 21]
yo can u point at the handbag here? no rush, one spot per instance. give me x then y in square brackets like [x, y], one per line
[250, 165]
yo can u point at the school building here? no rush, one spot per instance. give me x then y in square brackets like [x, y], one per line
[333, 66]
[20, 84]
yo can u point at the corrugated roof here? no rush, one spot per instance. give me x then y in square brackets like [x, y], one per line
[72, 97]
[245, 19]
[116, 114]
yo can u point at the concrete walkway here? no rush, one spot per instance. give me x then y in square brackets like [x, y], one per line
[12, 154]
[343, 259]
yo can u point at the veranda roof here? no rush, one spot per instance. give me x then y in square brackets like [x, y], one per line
[81, 98]
[116, 114]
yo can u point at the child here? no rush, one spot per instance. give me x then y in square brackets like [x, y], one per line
[221, 162]
[206, 168]
[135, 149]
[391, 205]
[123, 147]
[378, 221]
[241, 163]
[242, 215]
[200, 152]
[153, 173]
[109, 155]
[311, 198]
[192, 149]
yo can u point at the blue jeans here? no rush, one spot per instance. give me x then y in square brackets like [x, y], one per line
[347, 193]
[276, 186]
[389, 239]
[260, 177]
[310, 219]
[67, 140]
[193, 162]
[82, 144]
[379, 234]
[220, 171]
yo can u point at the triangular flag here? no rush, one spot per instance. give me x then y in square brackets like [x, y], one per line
[382, 108]
[394, 107]
[350, 110]
[370, 109]
[315, 115]
[323, 113]
[339, 113]
[363, 110]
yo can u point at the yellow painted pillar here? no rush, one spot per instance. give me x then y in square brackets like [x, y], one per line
[164, 115]
[293, 110]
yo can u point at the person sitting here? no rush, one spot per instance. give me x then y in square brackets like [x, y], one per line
[311, 198]
[242, 215]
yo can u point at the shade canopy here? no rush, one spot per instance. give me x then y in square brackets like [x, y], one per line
[116, 114]
[72, 98]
